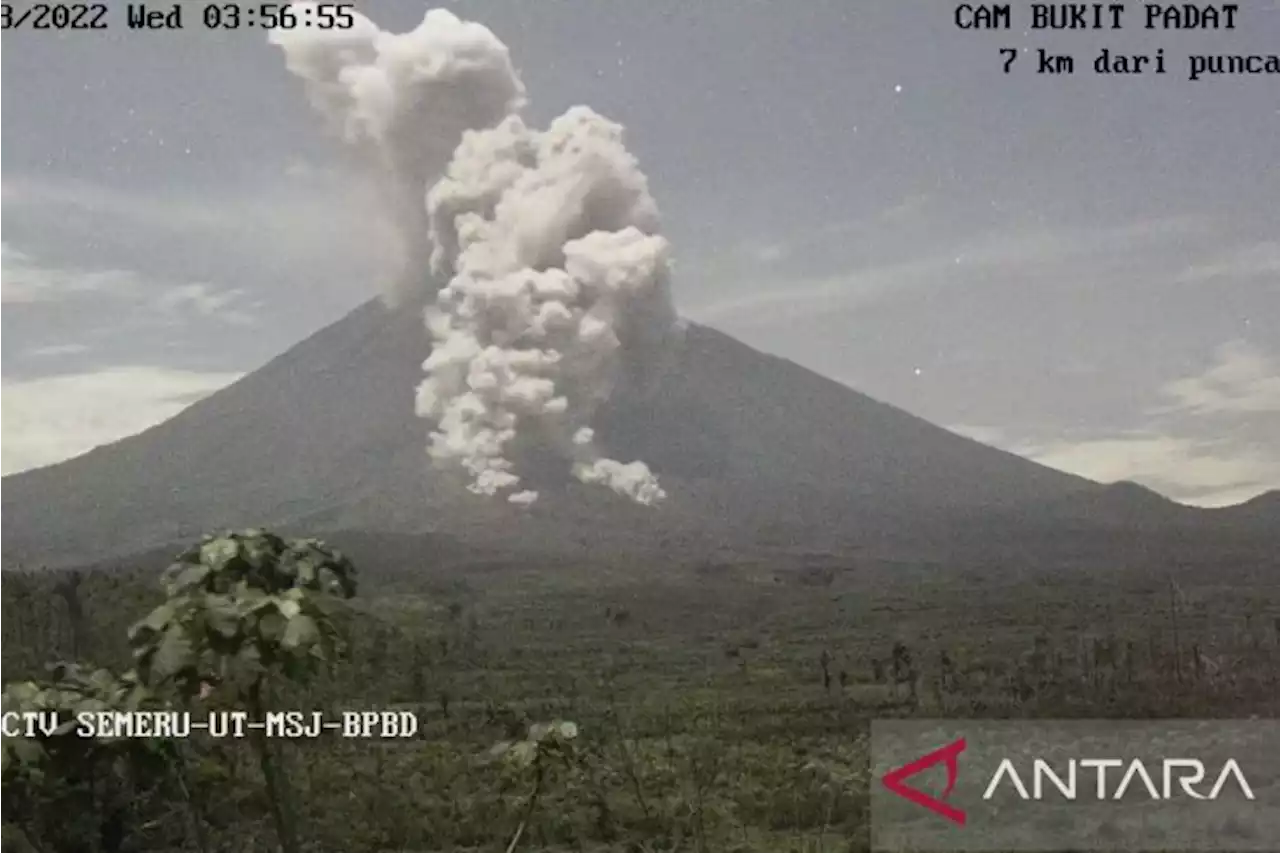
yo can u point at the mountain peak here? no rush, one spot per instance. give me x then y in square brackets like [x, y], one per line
[1127, 492]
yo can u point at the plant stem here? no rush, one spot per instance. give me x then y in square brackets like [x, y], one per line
[277, 788]
[533, 802]
[194, 812]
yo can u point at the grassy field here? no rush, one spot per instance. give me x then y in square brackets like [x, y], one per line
[722, 703]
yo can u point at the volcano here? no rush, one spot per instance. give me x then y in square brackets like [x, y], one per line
[553, 361]
[324, 437]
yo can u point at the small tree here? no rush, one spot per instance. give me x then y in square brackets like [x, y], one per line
[239, 608]
[546, 743]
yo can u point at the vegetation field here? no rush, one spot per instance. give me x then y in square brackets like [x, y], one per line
[720, 703]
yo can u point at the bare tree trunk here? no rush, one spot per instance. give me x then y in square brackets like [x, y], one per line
[277, 787]
[1177, 643]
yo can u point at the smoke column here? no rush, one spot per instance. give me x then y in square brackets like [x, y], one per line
[405, 99]
[558, 281]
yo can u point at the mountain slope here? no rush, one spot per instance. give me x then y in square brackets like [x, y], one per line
[1260, 509]
[325, 436]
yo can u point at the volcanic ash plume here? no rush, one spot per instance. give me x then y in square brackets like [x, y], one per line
[405, 99]
[558, 280]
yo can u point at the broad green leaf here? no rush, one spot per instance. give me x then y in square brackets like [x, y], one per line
[191, 576]
[300, 631]
[103, 681]
[24, 750]
[256, 551]
[321, 604]
[157, 619]
[522, 754]
[272, 626]
[287, 567]
[221, 616]
[218, 553]
[264, 604]
[246, 592]
[21, 694]
[173, 655]
[289, 608]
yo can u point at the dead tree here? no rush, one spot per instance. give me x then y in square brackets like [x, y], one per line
[1037, 661]
[904, 670]
[947, 668]
[68, 588]
[1104, 660]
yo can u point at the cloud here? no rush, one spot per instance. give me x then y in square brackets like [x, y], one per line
[203, 300]
[35, 192]
[986, 434]
[57, 350]
[311, 220]
[812, 295]
[27, 280]
[1241, 380]
[1202, 472]
[24, 280]
[161, 212]
[768, 252]
[1198, 471]
[1031, 246]
[1212, 442]
[1259, 260]
[54, 418]
[1041, 254]
[908, 212]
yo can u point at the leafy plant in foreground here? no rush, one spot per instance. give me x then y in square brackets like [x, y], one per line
[241, 607]
[68, 788]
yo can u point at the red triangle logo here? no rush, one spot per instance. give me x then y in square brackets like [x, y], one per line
[893, 780]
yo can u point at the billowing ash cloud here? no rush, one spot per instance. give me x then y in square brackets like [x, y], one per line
[405, 99]
[558, 281]
[549, 238]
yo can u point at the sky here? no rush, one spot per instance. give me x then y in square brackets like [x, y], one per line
[1083, 269]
